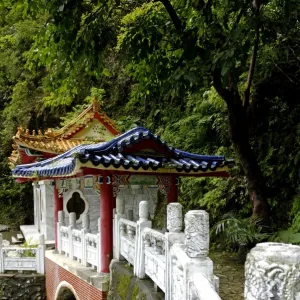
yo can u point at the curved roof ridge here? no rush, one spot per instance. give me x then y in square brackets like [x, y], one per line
[110, 154]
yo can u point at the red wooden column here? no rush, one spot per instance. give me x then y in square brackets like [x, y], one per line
[173, 191]
[106, 224]
[58, 205]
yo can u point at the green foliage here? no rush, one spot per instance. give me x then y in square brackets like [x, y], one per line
[239, 231]
[29, 245]
[53, 55]
[123, 286]
[286, 236]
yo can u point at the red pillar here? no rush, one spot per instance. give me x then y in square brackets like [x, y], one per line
[106, 224]
[173, 192]
[58, 205]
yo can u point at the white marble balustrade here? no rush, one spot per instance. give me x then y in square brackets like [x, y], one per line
[23, 259]
[79, 244]
[127, 239]
[155, 260]
[176, 261]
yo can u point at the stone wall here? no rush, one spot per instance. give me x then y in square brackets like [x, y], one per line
[22, 287]
[93, 200]
[133, 195]
[124, 286]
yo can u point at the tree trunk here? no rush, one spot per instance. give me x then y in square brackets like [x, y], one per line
[238, 130]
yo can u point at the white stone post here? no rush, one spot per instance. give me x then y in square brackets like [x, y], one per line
[1, 255]
[174, 217]
[272, 271]
[85, 229]
[143, 222]
[72, 225]
[196, 233]
[99, 262]
[175, 235]
[60, 223]
[40, 255]
[197, 247]
[120, 208]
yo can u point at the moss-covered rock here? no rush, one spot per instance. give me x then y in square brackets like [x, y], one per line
[125, 286]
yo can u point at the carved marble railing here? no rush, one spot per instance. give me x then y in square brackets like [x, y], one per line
[176, 261]
[64, 238]
[272, 271]
[127, 239]
[23, 259]
[155, 260]
[79, 244]
[93, 250]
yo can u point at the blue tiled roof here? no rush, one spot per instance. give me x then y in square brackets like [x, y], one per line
[111, 154]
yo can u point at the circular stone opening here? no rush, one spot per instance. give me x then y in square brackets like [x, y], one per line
[65, 294]
[76, 204]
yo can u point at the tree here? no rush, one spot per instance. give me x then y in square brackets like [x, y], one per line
[152, 57]
[222, 37]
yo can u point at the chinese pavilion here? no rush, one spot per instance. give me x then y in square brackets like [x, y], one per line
[80, 169]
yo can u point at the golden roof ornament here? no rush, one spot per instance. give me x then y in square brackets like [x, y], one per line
[49, 132]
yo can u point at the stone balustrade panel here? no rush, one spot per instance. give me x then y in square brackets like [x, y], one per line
[155, 261]
[77, 244]
[128, 239]
[65, 241]
[92, 254]
[23, 258]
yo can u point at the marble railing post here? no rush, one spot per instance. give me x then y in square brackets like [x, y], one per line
[196, 233]
[272, 271]
[72, 225]
[174, 234]
[85, 229]
[197, 247]
[1, 255]
[40, 255]
[61, 217]
[120, 213]
[99, 265]
[142, 223]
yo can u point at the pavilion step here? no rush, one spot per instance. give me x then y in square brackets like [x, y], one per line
[20, 237]
[15, 241]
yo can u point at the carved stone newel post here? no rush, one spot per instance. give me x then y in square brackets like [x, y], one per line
[120, 205]
[143, 211]
[72, 219]
[174, 235]
[120, 209]
[196, 233]
[272, 271]
[1, 257]
[61, 220]
[40, 255]
[142, 223]
[174, 217]
[72, 225]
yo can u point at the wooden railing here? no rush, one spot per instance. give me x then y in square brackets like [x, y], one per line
[23, 258]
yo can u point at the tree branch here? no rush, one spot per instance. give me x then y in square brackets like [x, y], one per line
[173, 15]
[253, 57]
[217, 83]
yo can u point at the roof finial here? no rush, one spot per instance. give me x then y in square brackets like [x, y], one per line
[95, 105]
